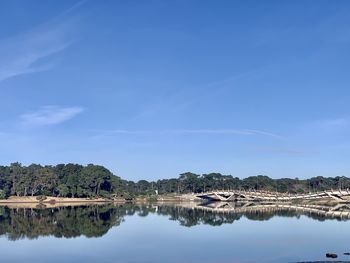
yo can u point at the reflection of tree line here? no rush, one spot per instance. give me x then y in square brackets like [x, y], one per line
[95, 221]
[190, 217]
[66, 222]
[260, 212]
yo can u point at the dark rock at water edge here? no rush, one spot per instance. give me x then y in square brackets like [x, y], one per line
[331, 255]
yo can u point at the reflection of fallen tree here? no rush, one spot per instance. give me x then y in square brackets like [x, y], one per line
[339, 211]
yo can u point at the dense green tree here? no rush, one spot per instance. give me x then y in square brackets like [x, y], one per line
[189, 182]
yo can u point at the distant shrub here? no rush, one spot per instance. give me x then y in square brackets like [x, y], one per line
[152, 198]
[104, 194]
[128, 197]
[41, 198]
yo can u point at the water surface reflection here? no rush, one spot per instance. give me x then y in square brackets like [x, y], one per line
[97, 220]
[174, 233]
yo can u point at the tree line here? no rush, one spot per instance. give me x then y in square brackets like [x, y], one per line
[74, 180]
[62, 180]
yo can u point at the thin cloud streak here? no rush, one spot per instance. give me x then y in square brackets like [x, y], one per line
[327, 126]
[181, 100]
[239, 132]
[338, 122]
[286, 151]
[23, 54]
[49, 115]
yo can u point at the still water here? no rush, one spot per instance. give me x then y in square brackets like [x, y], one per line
[174, 233]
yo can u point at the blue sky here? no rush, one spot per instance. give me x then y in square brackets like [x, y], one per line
[151, 89]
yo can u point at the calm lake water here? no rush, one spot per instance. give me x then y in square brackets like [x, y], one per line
[172, 233]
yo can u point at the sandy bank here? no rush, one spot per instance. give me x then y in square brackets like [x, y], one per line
[52, 200]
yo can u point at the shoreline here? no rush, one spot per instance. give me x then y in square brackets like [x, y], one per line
[33, 202]
[69, 200]
[51, 201]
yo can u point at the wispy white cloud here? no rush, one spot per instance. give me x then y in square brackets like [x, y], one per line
[337, 122]
[264, 133]
[241, 132]
[25, 52]
[246, 132]
[49, 115]
[287, 151]
[182, 99]
[328, 126]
